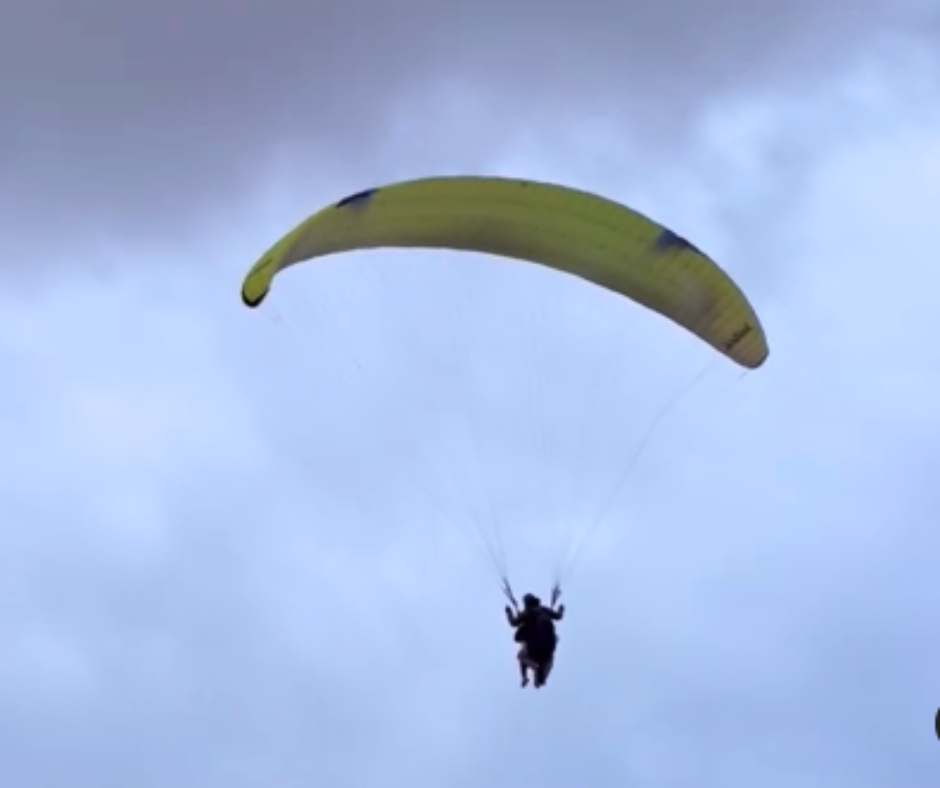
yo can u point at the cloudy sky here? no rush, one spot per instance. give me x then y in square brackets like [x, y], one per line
[241, 548]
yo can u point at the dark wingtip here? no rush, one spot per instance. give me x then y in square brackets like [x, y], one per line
[253, 303]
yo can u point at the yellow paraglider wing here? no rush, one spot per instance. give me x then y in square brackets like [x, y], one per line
[572, 231]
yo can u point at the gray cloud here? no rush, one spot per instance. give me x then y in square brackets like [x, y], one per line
[128, 119]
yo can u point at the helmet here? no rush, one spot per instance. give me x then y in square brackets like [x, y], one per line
[531, 600]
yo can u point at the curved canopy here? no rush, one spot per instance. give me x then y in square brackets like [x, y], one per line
[568, 230]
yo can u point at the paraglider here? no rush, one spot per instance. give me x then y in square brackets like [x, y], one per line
[573, 232]
[535, 632]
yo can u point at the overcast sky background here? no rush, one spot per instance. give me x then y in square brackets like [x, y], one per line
[237, 547]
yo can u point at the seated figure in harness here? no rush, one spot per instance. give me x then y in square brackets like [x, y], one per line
[535, 631]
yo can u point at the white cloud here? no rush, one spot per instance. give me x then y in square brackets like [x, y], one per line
[231, 547]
